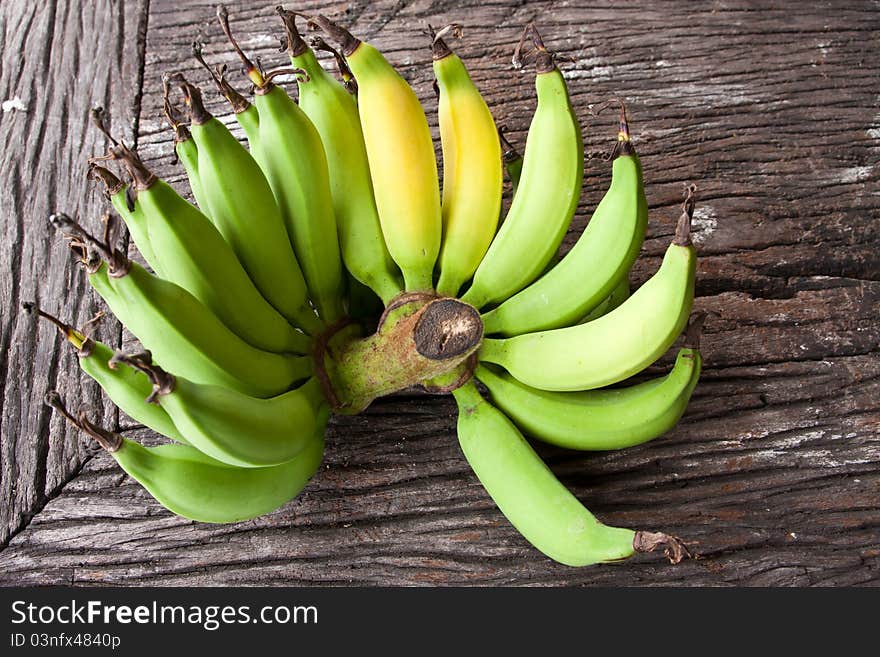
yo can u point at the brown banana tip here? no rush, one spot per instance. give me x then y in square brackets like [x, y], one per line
[192, 97]
[623, 130]
[439, 47]
[293, 41]
[99, 117]
[683, 227]
[544, 60]
[112, 184]
[109, 440]
[348, 43]
[673, 547]
[694, 330]
[76, 338]
[163, 382]
[251, 70]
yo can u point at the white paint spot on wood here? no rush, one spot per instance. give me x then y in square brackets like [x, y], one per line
[823, 47]
[855, 174]
[14, 103]
[704, 223]
[662, 63]
[262, 40]
[874, 133]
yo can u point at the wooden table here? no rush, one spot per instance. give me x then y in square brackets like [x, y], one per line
[775, 469]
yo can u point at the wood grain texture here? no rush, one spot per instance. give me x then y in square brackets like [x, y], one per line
[59, 59]
[774, 470]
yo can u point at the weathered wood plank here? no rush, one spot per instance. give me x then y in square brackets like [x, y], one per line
[58, 59]
[775, 469]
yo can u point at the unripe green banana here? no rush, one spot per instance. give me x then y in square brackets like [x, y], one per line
[513, 162]
[193, 254]
[232, 427]
[546, 197]
[594, 266]
[605, 419]
[616, 345]
[128, 208]
[472, 171]
[292, 157]
[334, 113]
[195, 486]
[533, 499]
[240, 203]
[184, 147]
[618, 295]
[126, 387]
[181, 332]
[401, 157]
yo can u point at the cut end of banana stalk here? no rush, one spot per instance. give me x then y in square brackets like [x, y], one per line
[673, 547]
[447, 329]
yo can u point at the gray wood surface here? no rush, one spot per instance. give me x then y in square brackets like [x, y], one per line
[775, 469]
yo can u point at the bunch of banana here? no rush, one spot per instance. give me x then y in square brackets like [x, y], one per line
[254, 310]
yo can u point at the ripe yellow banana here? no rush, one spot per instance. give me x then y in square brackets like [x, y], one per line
[472, 171]
[401, 156]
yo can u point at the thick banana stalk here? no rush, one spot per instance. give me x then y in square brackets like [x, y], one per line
[546, 197]
[195, 486]
[334, 113]
[616, 345]
[400, 151]
[594, 266]
[534, 500]
[472, 171]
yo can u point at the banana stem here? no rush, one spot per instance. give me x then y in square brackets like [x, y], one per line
[673, 547]
[218, 74]
[419, 340]
[683, 228]
[109, 440]
[348, 43]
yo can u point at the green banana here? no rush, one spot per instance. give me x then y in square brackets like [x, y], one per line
[232, 427]
[547, 194]
[239, 201]
[605, 419]
[180, 331]
[616, 345]
[400, 152]
[125, 203]
[245, 113]
[334, 113]
[618, 295]
[185, 147]
[194, 255]
[472, 170]
[513, 162]
[594, 266]
[533, 499]
[195, 486]
[292, 157]
[125, 387]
